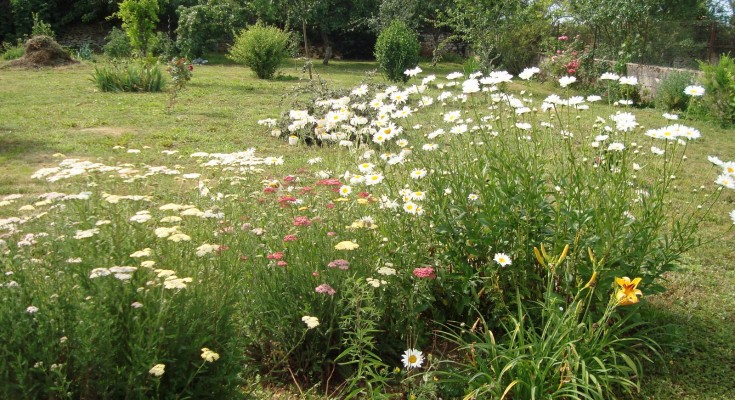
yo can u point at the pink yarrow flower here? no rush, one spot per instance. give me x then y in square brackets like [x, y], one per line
[301, 221]
[325, 288]
[424, 272]
[339, 263]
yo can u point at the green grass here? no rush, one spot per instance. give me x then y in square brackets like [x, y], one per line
[59, 111]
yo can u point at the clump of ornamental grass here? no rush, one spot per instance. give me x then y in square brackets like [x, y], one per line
[128, 77]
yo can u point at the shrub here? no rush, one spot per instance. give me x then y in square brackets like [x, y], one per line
[13, 52]
[719, 85]
[181, 71]
[262, 48]
[118, 44]
[671, 94]
[84, 52]
[397, 50]
[125, 77]
[41, 28]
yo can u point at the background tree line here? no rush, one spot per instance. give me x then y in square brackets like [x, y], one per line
[501, 33]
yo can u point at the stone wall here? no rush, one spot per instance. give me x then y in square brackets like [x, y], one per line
[92, 34]
[650, 76]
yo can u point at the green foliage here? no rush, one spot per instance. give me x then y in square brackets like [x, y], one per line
[204, 26]
[12, 52]
[97, 333]
[262, 48]
[670, 95]
[84, 52]
[397, 50]
[127, 77]
[719, 85]
[181, 72]
[139, 19]
[41, 28]
[164, 47]
[360, 324]
[118, 44]
[504, 34]
[568, 353]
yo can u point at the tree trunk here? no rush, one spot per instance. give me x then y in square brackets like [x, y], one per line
[306, 40]
[327, 47]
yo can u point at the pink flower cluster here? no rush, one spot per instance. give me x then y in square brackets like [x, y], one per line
[326, 289]
[301, 221]
[339, 263]
[424, 272]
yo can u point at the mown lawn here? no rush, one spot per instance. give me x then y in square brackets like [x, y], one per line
[46, 112]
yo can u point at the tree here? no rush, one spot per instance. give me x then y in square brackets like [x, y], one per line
[653, 31]
[202, 26]
[139, 19]
[328, 17]
[502, 33]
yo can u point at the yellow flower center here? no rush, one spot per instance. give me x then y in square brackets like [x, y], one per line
[412, 359]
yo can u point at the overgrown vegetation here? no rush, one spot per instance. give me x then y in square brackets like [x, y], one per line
[259, 220]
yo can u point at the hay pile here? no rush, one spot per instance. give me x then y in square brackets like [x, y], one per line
[42, 51]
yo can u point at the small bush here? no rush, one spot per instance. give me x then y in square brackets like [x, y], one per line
[118, 44]
[719, 85]
[84, 52]
[262, 48]
[41, 28]
[12, 51]
[671, 94]
[397, 50]
[128, 78]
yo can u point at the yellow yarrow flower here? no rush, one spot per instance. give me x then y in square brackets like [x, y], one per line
[346, 245]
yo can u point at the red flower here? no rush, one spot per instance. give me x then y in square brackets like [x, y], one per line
[275, 256]
[191, 67]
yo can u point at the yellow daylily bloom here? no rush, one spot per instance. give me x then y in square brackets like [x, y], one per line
[628, 292]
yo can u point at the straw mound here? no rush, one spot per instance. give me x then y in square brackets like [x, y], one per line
[43, 51]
